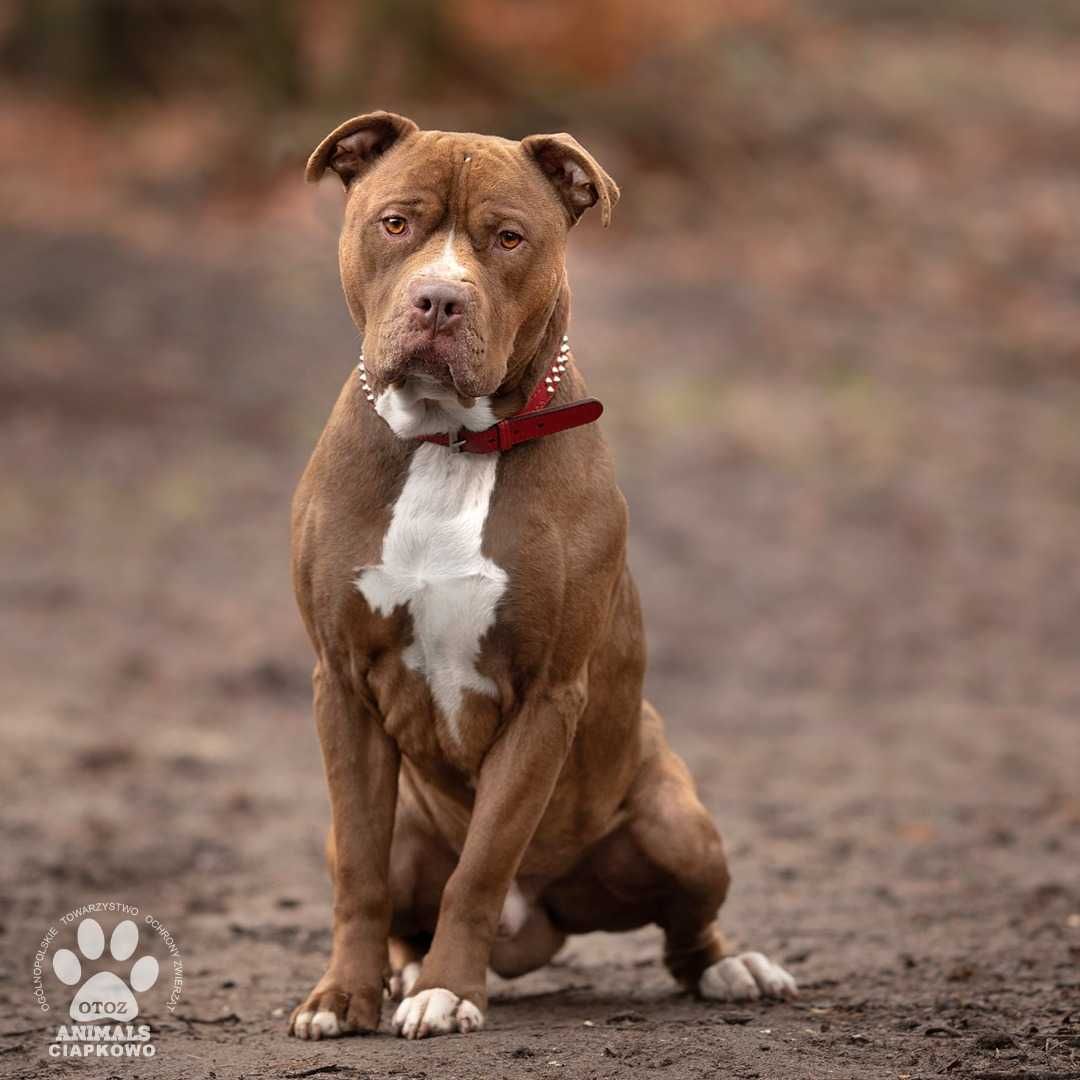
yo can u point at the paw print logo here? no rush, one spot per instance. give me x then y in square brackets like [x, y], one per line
[105, 997]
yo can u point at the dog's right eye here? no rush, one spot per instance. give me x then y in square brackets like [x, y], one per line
[394, 224]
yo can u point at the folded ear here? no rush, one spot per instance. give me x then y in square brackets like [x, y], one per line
[353, 146]
[575, 173]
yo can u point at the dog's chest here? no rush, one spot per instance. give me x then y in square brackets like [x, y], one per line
[432, 564]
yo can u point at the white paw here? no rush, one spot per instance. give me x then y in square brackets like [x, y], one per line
[746, 977]
[515, 911]
[402, 982]
[436, 1012]
[318, 1025]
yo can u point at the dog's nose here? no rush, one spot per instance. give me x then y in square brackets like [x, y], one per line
[437, 305]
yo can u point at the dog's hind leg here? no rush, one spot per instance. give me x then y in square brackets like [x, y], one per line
[665, 864]
[681, 845]
[678, 837]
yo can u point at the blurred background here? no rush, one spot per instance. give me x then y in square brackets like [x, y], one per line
[836, 325]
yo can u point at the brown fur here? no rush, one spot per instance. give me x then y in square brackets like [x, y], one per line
[562, 781]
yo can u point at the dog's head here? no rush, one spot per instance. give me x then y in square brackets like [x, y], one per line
[452, 255]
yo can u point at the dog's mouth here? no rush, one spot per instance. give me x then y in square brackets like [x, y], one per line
[430, 360]
[427, 373]
[432, 392]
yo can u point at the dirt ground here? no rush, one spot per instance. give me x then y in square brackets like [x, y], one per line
[843, 392]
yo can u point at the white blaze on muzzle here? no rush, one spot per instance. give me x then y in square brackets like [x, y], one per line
[447, 266]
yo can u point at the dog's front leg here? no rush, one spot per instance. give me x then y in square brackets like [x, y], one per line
[361, 763]
[512, 792]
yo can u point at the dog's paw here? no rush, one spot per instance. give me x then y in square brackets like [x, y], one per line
[436, 1012]
[401, 982]
[746, 977]
[514, 915]
[328, 1014]
[324, 1024]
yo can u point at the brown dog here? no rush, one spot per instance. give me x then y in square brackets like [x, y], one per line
[496, 781]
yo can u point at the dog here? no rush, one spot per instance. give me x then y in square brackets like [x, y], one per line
[497, 781]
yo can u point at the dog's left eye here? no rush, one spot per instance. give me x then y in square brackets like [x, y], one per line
[394, 224]
[509, 239]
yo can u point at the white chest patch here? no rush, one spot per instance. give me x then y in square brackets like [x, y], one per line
[432, 564]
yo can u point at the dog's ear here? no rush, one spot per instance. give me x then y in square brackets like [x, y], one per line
[575, 174]
[351, 147]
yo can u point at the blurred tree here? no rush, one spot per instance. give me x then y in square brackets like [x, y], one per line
[284, 51]
[124, 50]
[669, 83]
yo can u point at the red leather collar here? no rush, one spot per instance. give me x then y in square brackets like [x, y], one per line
[521, 428]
